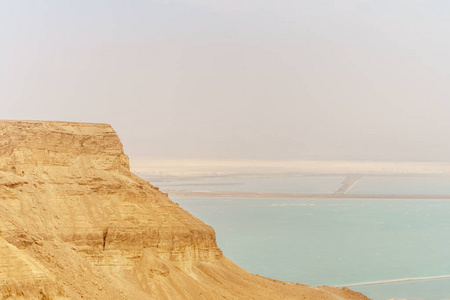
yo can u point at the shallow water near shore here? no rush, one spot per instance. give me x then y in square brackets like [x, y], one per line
[336, 242]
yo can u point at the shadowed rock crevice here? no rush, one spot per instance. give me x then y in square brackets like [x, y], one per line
[105, 234]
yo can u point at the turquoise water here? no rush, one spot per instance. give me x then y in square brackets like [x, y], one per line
[428, 290]
[336, 242]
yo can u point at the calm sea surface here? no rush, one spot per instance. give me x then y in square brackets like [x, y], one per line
[336, 241]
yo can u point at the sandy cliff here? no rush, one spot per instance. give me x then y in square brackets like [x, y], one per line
[76, 223]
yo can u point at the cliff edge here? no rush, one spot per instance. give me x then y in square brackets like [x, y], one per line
[75, 223]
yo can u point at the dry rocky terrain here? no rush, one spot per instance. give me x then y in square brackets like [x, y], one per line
[75, 223]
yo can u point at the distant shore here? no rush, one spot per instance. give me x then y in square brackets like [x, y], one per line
[188, 169]
[197, 173]
[214, 194]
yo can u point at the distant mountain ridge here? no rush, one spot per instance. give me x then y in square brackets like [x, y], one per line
[75, 223]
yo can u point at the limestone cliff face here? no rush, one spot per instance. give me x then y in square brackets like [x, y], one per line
[75, 222]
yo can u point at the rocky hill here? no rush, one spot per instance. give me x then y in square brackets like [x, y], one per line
[75, 223]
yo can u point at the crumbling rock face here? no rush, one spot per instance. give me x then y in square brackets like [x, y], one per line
[76, 223]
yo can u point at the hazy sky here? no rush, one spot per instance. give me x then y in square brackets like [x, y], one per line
[342, 79]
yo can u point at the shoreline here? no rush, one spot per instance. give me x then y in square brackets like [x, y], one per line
[396, 281]
[213, 194]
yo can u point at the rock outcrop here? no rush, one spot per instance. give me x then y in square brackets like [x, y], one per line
[76, 223]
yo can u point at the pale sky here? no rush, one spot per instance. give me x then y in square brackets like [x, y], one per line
[227, 79]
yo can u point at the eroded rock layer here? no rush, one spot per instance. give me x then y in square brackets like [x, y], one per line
[76, 223]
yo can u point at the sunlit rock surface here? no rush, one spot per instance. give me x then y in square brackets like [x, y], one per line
[76, 223]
